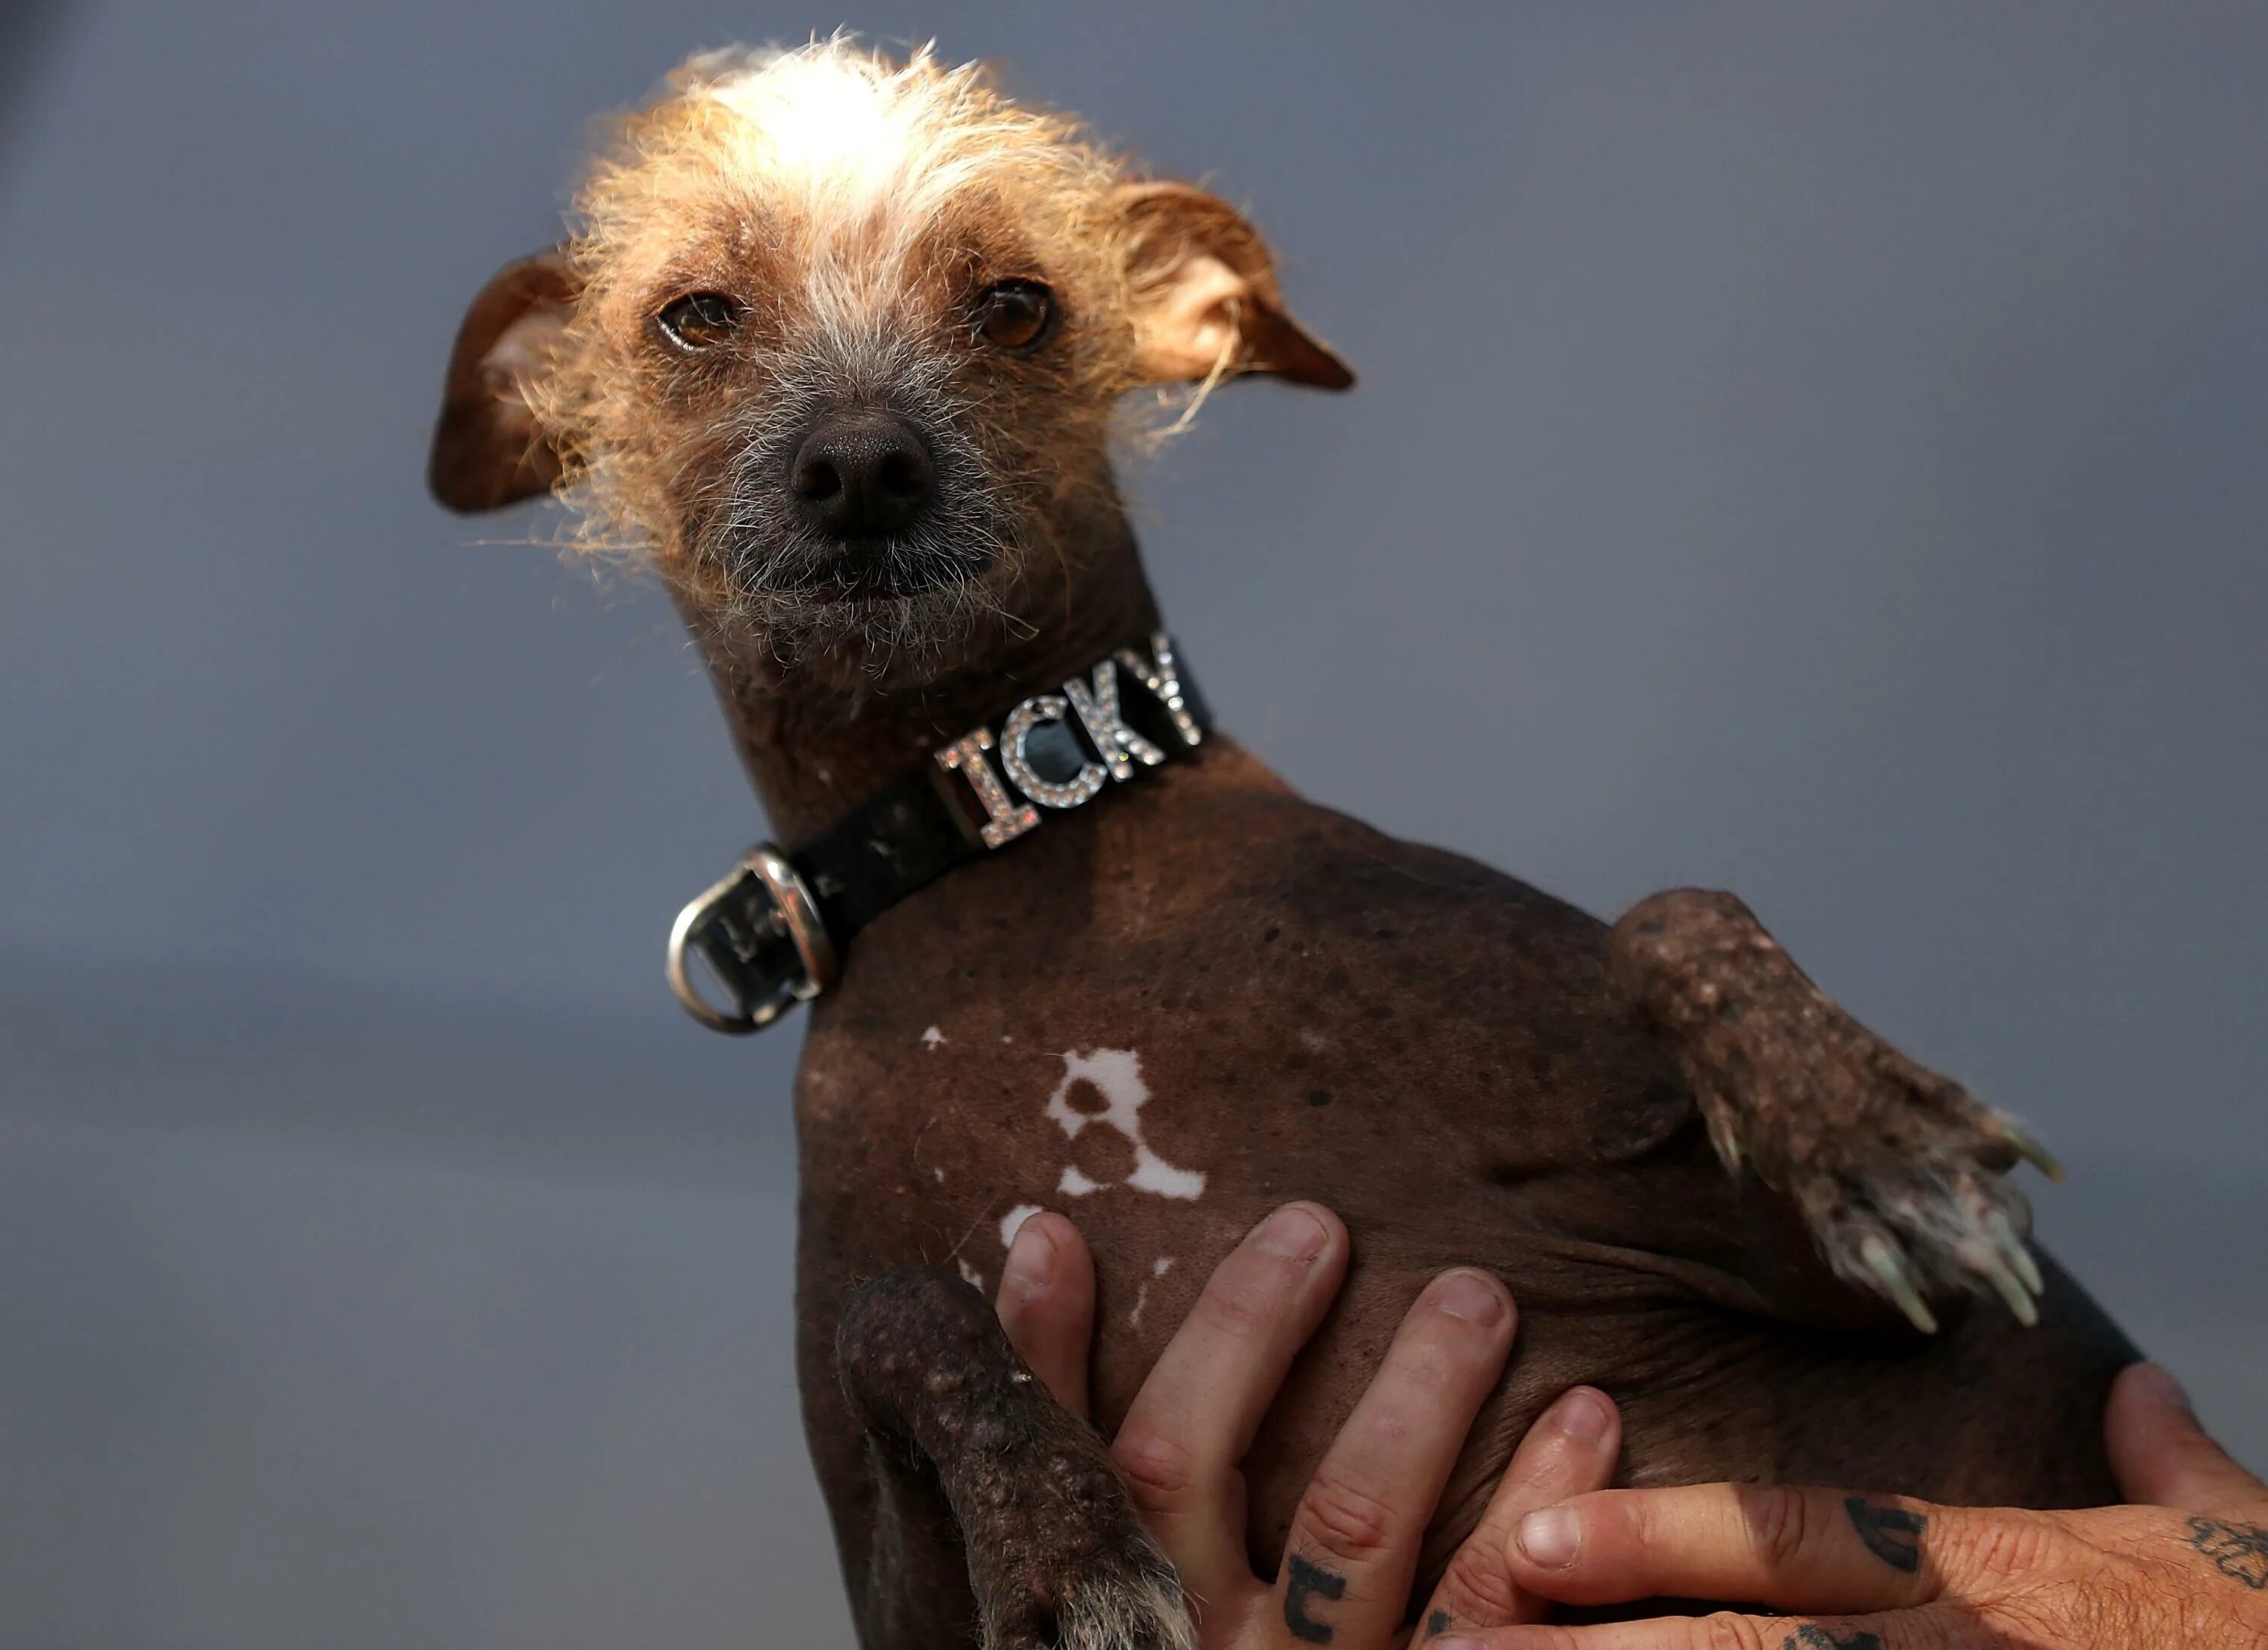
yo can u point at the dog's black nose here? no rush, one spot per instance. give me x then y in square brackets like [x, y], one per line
[862, 474]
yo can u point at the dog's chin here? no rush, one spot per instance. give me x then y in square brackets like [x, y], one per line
[864, 574]
[857, 573]
[872, 616]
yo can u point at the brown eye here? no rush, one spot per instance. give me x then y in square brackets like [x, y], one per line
[1018, 316]
[699, 320]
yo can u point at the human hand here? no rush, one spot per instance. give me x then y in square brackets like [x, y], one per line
[2189, 1570]
[1351, 1556]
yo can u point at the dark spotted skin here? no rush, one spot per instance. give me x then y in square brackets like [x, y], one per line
[1436, 1052]
[958, 1433]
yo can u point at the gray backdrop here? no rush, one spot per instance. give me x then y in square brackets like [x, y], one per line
[1815, 451]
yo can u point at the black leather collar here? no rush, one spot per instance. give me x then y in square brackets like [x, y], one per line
[773, 932]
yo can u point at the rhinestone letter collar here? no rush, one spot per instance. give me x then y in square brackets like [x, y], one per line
[772, 932]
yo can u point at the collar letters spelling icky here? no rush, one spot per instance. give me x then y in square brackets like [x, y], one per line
[773, 930]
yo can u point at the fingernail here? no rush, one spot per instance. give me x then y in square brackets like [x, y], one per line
[1291, 1234]
[1583, 1415]
[1031, 1261]
[2159, 1382]
[1469, 1296]
[1552, 1537]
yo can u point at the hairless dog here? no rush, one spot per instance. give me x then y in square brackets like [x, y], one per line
[838, 345]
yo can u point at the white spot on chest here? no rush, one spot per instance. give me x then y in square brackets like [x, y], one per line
[1158, 1268]
[1117, 1075]
[933, 1039]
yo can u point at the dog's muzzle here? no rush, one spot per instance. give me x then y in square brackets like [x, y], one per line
[772, 934]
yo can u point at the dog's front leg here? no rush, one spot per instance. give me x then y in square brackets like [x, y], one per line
[1896, 1170]
[1056, 1557]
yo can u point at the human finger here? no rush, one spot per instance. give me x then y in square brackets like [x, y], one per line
[2161, 1455]
[1046, 1306]
[1570, 1450]
[1921, 1630]
[1784, 1547]
[1194, 1418]
[1351, 1552]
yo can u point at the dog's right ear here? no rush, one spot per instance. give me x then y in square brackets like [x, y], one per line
[490, 449]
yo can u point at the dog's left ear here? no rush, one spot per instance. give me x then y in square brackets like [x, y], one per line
[1205, 297]
[489, 448]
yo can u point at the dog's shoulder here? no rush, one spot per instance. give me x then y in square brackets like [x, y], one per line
[1271, 856]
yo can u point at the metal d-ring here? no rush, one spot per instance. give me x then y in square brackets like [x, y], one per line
[791, 913]
[800, 913]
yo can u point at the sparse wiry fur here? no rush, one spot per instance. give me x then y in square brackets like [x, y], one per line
[861, 189]
[856, 215]
[845, 227]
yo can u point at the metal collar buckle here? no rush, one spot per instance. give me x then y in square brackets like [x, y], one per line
[760, 934]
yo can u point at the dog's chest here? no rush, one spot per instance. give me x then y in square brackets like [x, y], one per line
[939, 1153]
[1164, 1028]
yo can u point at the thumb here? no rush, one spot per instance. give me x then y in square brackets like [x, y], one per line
[1046, 1306]
[2160, 1455]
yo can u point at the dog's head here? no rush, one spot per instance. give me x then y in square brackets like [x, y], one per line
[838, 342]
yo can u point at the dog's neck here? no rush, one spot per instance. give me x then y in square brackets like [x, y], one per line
[815, 749]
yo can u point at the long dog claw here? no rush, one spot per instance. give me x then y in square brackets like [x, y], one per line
[2033, 1152]
[1889, 1268]
[2020, 1257]
[1899, 1172]
[2010, 1289]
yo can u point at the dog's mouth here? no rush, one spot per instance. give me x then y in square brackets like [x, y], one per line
[808, 574]
[858, 571]
[886, 607]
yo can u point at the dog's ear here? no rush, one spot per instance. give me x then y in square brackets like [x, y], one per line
[1205, 297]
[489, 447]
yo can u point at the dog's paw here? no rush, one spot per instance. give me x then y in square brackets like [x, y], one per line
[1099, 1594]
[1134, 1605]
[1896, 1170]
[1917, 1206]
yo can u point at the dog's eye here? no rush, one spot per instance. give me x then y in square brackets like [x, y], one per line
[1018, 316]
[699, 320]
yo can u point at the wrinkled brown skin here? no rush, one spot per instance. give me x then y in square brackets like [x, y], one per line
[1434, 1050]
